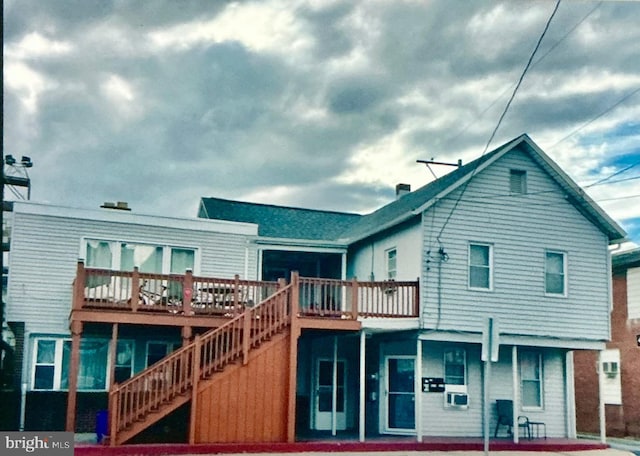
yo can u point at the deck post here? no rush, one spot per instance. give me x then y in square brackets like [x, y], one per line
[516, 391]
[187, 333]
[187, 292]
[114, 414]
[195, 372]
[293, 356]
[76, 332]
[246, 337]
[78, 294]
[135, 289]
[236, 295]
[113, 349]
[354, 298]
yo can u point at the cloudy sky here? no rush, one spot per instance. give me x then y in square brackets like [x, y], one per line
[320, 104]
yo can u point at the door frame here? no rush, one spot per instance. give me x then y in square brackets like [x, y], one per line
[384, 422]
[341, 417]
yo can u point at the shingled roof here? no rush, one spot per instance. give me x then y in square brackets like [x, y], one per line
[297, 223]
[280, 221]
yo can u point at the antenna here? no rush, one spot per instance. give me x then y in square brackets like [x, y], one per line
[432, 162]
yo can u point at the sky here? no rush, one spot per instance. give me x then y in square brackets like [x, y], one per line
[319, 104]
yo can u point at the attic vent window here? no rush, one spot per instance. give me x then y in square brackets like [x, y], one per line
[518, 181]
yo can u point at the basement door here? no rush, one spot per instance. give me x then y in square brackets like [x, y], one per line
[400, 394]
[325, 385]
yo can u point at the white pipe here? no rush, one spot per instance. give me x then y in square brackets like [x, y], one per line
[23, 405]
[361, 430]
[418, 390]
[516, 393]
[571, 396]
[603, 423]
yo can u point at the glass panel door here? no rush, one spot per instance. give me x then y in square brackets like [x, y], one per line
[324, 395]
[400, 393]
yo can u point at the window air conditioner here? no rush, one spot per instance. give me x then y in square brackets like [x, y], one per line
[457, 399]
[610, 368]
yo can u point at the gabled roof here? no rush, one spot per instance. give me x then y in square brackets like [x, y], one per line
[296, 223]
[280, 221]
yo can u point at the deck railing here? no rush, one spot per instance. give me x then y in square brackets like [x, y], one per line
[158, 385]
[352, 299]
[174, 293]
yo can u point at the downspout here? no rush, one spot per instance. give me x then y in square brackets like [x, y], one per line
[24, 385]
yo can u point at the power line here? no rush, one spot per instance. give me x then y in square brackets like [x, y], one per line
[504, 112]
[555, 45]
[604, 180]
[610, 108]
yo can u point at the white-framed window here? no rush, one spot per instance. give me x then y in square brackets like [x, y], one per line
[455, 366]
[52, 358]
[531, 379]
[555, 273]
[480, 266]
[151, 258]
[157, 350]
[392, 263]
[518, 181]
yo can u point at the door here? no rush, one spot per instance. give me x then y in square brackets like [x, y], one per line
[400, 393]
[324, 387]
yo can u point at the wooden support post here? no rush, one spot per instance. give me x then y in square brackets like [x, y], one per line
[113, 351]
[195, 379]
[246, 337]
[187, 333]
[293, 356]
[187, 292]
[135, 289]
[236, 295]
[78, 289]
[114, 414]
[76, 332]
[354, 298]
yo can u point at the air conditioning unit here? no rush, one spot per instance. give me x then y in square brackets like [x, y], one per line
[610, 368]
[457, 400]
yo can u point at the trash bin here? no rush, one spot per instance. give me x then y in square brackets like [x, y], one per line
[102, 425]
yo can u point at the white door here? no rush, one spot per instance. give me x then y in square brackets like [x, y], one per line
[400, 394]
[324, 388]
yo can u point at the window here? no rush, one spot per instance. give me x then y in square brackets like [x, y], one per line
[480, 260]
[391, 264]
[124, 256]
[53, 359]
[124, 361]
[555, 273]
[455, 367]
[518, 181]
[531, 379]
[158, 350]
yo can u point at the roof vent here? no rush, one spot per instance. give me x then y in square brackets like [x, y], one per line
[402, 189]
[120, 205]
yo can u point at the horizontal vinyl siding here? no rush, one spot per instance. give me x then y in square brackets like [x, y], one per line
[520, 229]
[45, 250]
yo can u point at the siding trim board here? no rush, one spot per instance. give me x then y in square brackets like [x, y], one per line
[514, 339]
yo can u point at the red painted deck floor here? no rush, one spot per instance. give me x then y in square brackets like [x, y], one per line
[328, 446]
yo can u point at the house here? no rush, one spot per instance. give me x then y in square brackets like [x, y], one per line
[618, 366]
[269, 323]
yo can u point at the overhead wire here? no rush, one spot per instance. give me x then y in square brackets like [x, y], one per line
[504, 112]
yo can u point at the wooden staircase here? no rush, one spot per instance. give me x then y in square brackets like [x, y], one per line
[153, 393]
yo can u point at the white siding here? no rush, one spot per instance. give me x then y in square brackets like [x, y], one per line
[520, 228]
[633, 293]
[45, 250]
[367, 261]
[438, 420]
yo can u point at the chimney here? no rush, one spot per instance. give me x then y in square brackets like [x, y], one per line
[402, 189]
[120, 206]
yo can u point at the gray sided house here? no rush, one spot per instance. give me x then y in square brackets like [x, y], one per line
[376, 329]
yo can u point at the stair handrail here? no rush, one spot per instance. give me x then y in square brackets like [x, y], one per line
[173, 375]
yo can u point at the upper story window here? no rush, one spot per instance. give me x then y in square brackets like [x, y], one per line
[518, 181]
[531, 379]
[150, 258]
[555, 273]
[480, 266]
[392, 264]
[455, 367]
